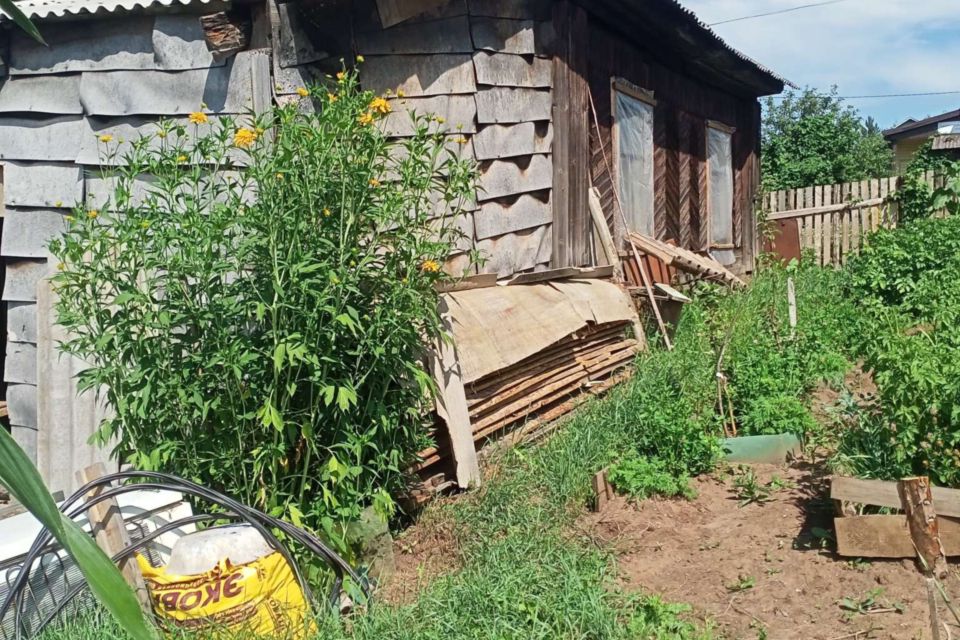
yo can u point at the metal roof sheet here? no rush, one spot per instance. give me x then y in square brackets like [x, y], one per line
[59, 8]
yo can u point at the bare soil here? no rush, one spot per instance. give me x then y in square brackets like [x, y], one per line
[761, 570]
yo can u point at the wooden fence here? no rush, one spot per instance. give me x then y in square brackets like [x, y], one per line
[831, 220]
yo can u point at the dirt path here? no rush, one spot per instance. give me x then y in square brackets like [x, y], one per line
[760, 568]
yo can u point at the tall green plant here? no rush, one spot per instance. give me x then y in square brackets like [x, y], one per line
[254, 298]
[10, 8]
[20, 477]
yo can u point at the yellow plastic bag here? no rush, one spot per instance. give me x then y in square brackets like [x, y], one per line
[260, 598]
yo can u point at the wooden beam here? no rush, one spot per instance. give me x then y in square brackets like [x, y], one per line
[110, 532]
[603, 232]
[833, 208]
[452, 406]
[885, 494]
[571, 146]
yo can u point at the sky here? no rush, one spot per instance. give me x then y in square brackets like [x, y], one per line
[864, 47]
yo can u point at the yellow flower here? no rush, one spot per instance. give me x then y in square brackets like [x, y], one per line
[198, 117]
[361, 59]
[161, 134]
[244, 137]
[440, 120]
[105, 138]
[145, 224]
[279, 176]
[332, 97]
[430, 266]
[341, 76]
[181, 158]
[380, 105]
[461, 140]
[326, 212]
[58, 203]
[302, 92]
[401, 93]
[374, 183]
[366, 119]
[68, 218]
[61, 266]
[93, 213]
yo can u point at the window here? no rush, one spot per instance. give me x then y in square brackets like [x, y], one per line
[720, 191]
[633, 142]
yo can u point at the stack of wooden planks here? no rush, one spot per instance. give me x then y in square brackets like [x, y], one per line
[542, 384]
[684, 260]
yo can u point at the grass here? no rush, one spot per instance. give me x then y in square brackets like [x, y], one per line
[524, 574]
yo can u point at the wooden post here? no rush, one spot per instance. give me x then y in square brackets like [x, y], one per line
[792, 302]
[106, 523]
[917, 500]
[602, 491]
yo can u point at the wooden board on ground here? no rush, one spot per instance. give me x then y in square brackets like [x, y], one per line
[888, 536]
[881, 493]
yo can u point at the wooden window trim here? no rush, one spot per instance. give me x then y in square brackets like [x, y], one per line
[719, 126]
[636, 92]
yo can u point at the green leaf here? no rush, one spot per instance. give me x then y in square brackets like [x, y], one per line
[23, 481]
[21, 20]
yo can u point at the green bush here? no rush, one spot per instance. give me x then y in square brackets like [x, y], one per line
[913, 350]
[771, 415]
[256, 318]
[641, 478]
[888, 271]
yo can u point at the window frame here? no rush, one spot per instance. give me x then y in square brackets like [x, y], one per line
[730, 131]
[631, 90]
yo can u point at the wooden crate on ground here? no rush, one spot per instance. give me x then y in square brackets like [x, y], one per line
[888, 536]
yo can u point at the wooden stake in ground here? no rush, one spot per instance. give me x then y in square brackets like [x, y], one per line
[917, 500]
[792, 302]
[111, 535]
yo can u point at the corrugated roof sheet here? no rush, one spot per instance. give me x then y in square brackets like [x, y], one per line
[695, 18]
[59, 8]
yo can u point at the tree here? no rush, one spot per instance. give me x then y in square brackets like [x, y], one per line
[811, 138]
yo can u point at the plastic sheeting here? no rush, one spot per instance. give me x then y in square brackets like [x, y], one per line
[720, 197]
[634, 121]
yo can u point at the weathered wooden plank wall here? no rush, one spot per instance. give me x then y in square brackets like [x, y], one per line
[484, 67]
[683, 107]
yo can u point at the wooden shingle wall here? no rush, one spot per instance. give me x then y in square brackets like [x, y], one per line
[484, 67]
[114, 74]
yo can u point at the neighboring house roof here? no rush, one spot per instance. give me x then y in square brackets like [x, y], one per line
[669, 28]
[59, 8]
[918, 128]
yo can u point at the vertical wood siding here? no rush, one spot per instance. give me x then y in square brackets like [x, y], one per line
[684, 105]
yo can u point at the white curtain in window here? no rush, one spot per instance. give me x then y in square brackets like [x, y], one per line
[720, 196]
[634, 122]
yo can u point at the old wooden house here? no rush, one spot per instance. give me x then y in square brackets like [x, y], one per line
[635, 97]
